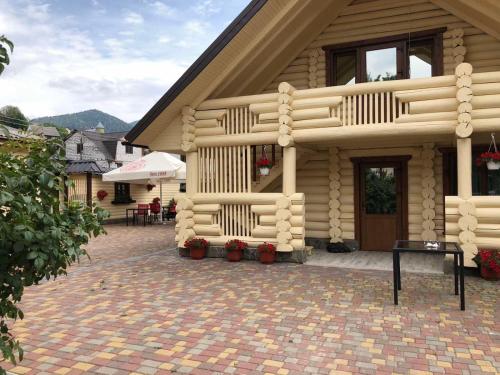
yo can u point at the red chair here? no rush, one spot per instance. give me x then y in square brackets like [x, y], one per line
[142, 210]
[154, 209]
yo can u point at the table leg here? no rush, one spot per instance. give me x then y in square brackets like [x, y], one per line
[395, 276]
[455, 271]
[144, 216]
[126, 216]
[462, 282]
[399, 271]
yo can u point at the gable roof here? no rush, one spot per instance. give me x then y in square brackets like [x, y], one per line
[84, 166]
[105, 142]
[267, 34]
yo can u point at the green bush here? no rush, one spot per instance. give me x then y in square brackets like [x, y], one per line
[40, 234]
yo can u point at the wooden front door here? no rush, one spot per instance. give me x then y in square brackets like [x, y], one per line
[381, 202]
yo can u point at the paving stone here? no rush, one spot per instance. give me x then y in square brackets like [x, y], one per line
[137, 307]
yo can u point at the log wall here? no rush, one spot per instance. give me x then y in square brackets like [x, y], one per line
[379, 18]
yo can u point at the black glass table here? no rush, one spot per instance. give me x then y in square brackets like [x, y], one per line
[430, 247]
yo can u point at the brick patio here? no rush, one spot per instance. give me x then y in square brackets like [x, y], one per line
[139, 308]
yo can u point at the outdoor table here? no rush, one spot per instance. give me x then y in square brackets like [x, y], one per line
[135, 213]
[425, 247]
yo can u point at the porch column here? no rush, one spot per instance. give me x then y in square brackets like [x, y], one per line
[464, 168]
[289, 170]
[191, 173]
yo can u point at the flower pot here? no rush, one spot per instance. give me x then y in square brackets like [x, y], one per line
[264, 171]
[234, 255]
[489, 274]
[493, 165]
[267, 257]
[197, 253]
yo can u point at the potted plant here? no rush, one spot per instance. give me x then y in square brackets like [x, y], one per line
[488, 261]
[235, 249]
[492, 160]
[267, 253]
[197, 248]
[491, 157]
[264, 165]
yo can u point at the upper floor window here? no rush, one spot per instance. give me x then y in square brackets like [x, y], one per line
[129, 149]
[413, 55]
[79, 148]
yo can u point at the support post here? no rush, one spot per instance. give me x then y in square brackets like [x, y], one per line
[89, 189]
[464, 168]
[191, 173]
[289, 170]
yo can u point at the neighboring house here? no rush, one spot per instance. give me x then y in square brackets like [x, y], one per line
[91, 153]
[44, 131]
[373, 111]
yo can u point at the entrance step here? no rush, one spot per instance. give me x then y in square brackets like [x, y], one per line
[377, 260]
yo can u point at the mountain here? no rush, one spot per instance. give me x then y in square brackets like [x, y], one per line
[86, 120]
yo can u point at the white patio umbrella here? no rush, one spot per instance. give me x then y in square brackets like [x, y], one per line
[150, 169]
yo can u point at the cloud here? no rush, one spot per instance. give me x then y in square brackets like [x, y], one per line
[162, 9]
[133, 18]
[195, 27]
[164, 39]
[59, 68]
[206, 7]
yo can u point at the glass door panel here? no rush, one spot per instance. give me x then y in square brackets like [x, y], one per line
[380, 191]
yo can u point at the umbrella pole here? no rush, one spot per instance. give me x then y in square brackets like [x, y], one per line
[161, 200]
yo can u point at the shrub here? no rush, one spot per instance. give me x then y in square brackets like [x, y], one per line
[266, 247]
[234, 245]
[196, 243]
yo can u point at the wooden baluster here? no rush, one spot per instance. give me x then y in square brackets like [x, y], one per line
[254, 163]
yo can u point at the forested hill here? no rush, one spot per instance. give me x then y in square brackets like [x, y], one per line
[87, 120]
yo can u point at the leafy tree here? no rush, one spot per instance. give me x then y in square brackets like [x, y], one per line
[13, 117]
[41, 235]
[4, 53]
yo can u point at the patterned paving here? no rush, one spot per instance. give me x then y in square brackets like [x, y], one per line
[139, 308]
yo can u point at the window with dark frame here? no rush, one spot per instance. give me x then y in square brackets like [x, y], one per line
[122, 193]
[79, 148]
[129, 149]
[413, 55]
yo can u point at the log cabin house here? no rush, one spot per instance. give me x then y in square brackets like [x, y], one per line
[372, 111]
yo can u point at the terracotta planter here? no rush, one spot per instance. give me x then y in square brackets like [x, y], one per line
[235, 255]
[198, 253]
[267, 257]
[490, 275]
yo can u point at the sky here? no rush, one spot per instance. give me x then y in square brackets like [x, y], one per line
[118, 56]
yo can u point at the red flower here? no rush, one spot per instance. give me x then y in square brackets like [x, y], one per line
[487, 156]
[234, 245]
[488, 258]
[196, 243]
[266, 248]
[264, 163]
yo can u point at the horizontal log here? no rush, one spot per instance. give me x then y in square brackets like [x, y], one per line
[211, 114]
[313, 113]
[208, 123]
[426, 94]
[202, 219]
[422, 117]
[319, 102]
[486, 113]
[259, 108]
[236, 198]
[486, 101]
[258, 128]
[381, 86]
[203, 208]
[479, 89]
[237, 101]
[264, 231]
[485, 125]
[317, 234]
[316, 225]
[317, 123]
[488, 77]
[238, 140]
[269, 117]
[268, 209]
[252, 242]
[209, 131]
[435, 105]
[208, 230]
[383, 131]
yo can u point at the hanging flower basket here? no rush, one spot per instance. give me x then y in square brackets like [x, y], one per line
[150, 187]
[101, 194]
[491, 157]
[264, 164]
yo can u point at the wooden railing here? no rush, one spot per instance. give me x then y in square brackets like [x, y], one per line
[236, 220]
